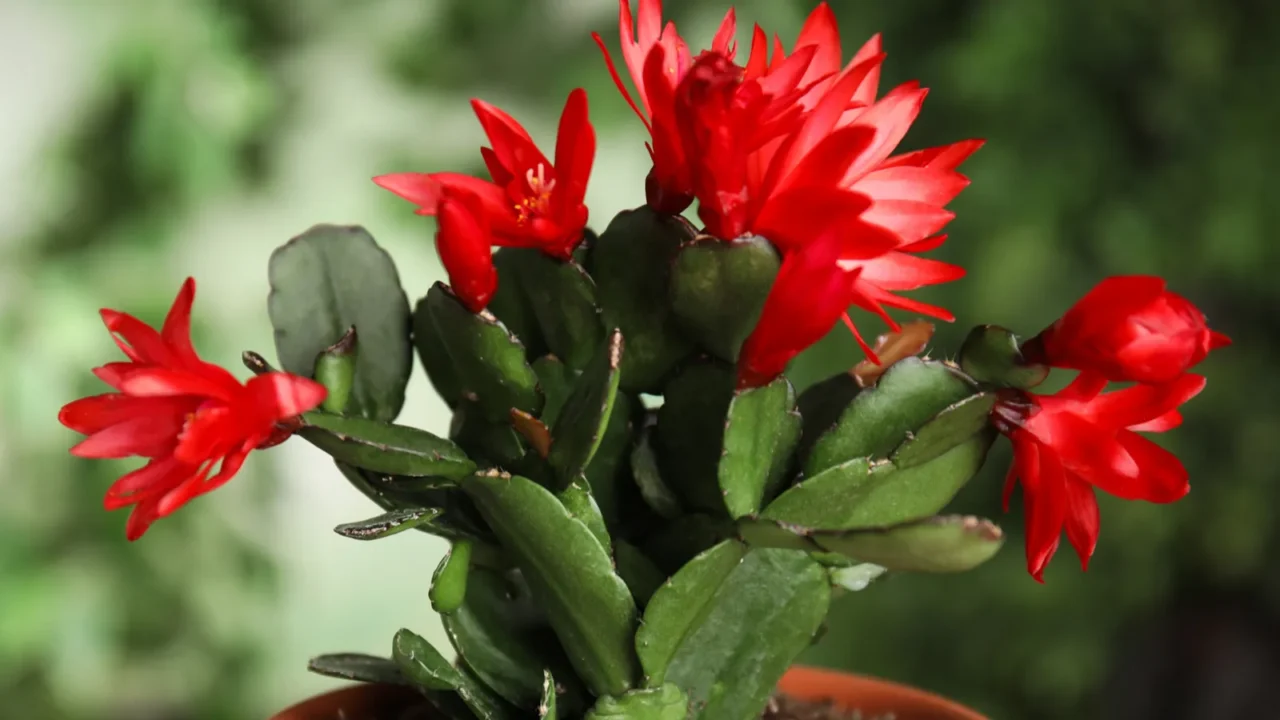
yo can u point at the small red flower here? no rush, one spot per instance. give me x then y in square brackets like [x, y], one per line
[529, 202]
[462, 241]
[1128, 328]
[184, 414]
[1066, 445]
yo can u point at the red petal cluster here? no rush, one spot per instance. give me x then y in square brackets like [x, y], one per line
[528, 201]
[1128, 328]
[1067, 444]
[797, 148]
[185, 415]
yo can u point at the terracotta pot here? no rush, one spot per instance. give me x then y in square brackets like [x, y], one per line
[869, 695]
[872, 696]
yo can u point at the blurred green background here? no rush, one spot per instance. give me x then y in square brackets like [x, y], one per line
[146, 140]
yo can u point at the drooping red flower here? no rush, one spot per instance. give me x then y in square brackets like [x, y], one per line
[1066, 445]
[462, 241]
[185, 415]
[1128, 328]
[528, 201]
[657, 59]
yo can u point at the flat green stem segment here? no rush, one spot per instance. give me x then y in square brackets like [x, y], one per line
[547, 705]
[718, 290]
[385, 448]
[488, 442]
[324, 282]
[359, 667]
[760, 432]
[946, 430]
[434, 357]
[578, 501]
[664, 703]
[631, 263]
[991, 355]
[879, 419]
[938, 544]
[581, 423]
[570, 575]
[481, 700]
[449, 583]
[730, 623]
[511, 305]
[638, 571]
[388, 523]
[644, 469]
[858, 494]
[555, 380]
[489, 361]
[690, 433]
[458, 521]
[563, 299]
[422, 663]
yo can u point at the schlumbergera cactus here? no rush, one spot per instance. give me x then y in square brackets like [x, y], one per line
[646, 520]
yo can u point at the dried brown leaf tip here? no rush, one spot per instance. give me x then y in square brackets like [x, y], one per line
[892, 347]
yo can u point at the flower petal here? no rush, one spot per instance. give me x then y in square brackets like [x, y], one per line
[197, 485]
[575, 153]
[144, 436]
[161, 382]
[510, 141]
[93, 414]
[1082, 520]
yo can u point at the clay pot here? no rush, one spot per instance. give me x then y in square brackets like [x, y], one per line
[869, 695]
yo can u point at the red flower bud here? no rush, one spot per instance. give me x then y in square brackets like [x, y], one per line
[462, 240]
[1128, 328]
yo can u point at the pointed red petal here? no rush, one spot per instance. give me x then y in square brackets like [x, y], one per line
[891, 117]
[93, 414]
[924, 185]
[510, 141]
[144, 436]
[463, 243]
[1082, 519]
[945, 157]
[911, 221]
[575, 153]
[197, 485]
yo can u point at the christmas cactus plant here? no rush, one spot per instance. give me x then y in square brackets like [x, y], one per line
[646, 519]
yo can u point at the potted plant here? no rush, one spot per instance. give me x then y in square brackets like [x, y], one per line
[646, 519]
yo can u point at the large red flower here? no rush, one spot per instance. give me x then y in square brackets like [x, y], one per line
[1128, 328]
[528, 201]
[184, 414]
[1066, 445]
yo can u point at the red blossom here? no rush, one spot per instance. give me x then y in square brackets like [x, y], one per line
[1128, 328]
[1066, 445]
[185, 415]
[528, 201]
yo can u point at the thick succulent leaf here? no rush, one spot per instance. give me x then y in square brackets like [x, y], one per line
[336, 371]
[563, 298]
[422, 663]
[385, 448]
[449, 582]
[570, 574]
[609, 472]
[324, 282]
[990, 355]
[858, 494]
[490, 443]
[946, 430]
[578, 430]
[501, 637]
[662, 703]
[358, 666]
[637, 571]
[631, 263]
[459, 521]
[760, 431]
[556, 381]
[547, 706]
[578, 501]
[648, 478]
[952, 543]
[781, 595]
[482, 700]
[388, 523]
[880, 418]
[489, 361]
[820, 407]
[511, 305]
[718, 290]
[690, 433]
[434, 357]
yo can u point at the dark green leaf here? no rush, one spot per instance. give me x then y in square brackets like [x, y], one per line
[609, 472]
[491, 443]
[459, 521]
[718, 290]
[990, 355]
[580, 427]
[631, 263]
[781, 595]
[821, 406]
[638, 571]
[481, 699]
[880, 418]
[677, 542]
[578, 501]
[385, 448]
[662, 703]
[760, 432]
[449, 583]
[327, 280]
[422, 663]
[690, 433]
[570, 575]
[511, 305]
[644, 468]
[563, 298]
[948, 429]
[556, 381]
[489, 362]
[387, 524]
[434, 357]
[937, 544]
[358, 666]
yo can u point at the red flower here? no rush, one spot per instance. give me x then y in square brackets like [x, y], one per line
[528, 203]
[181, 412]
[1128, 328]
[1067, 444]
[657, 59]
